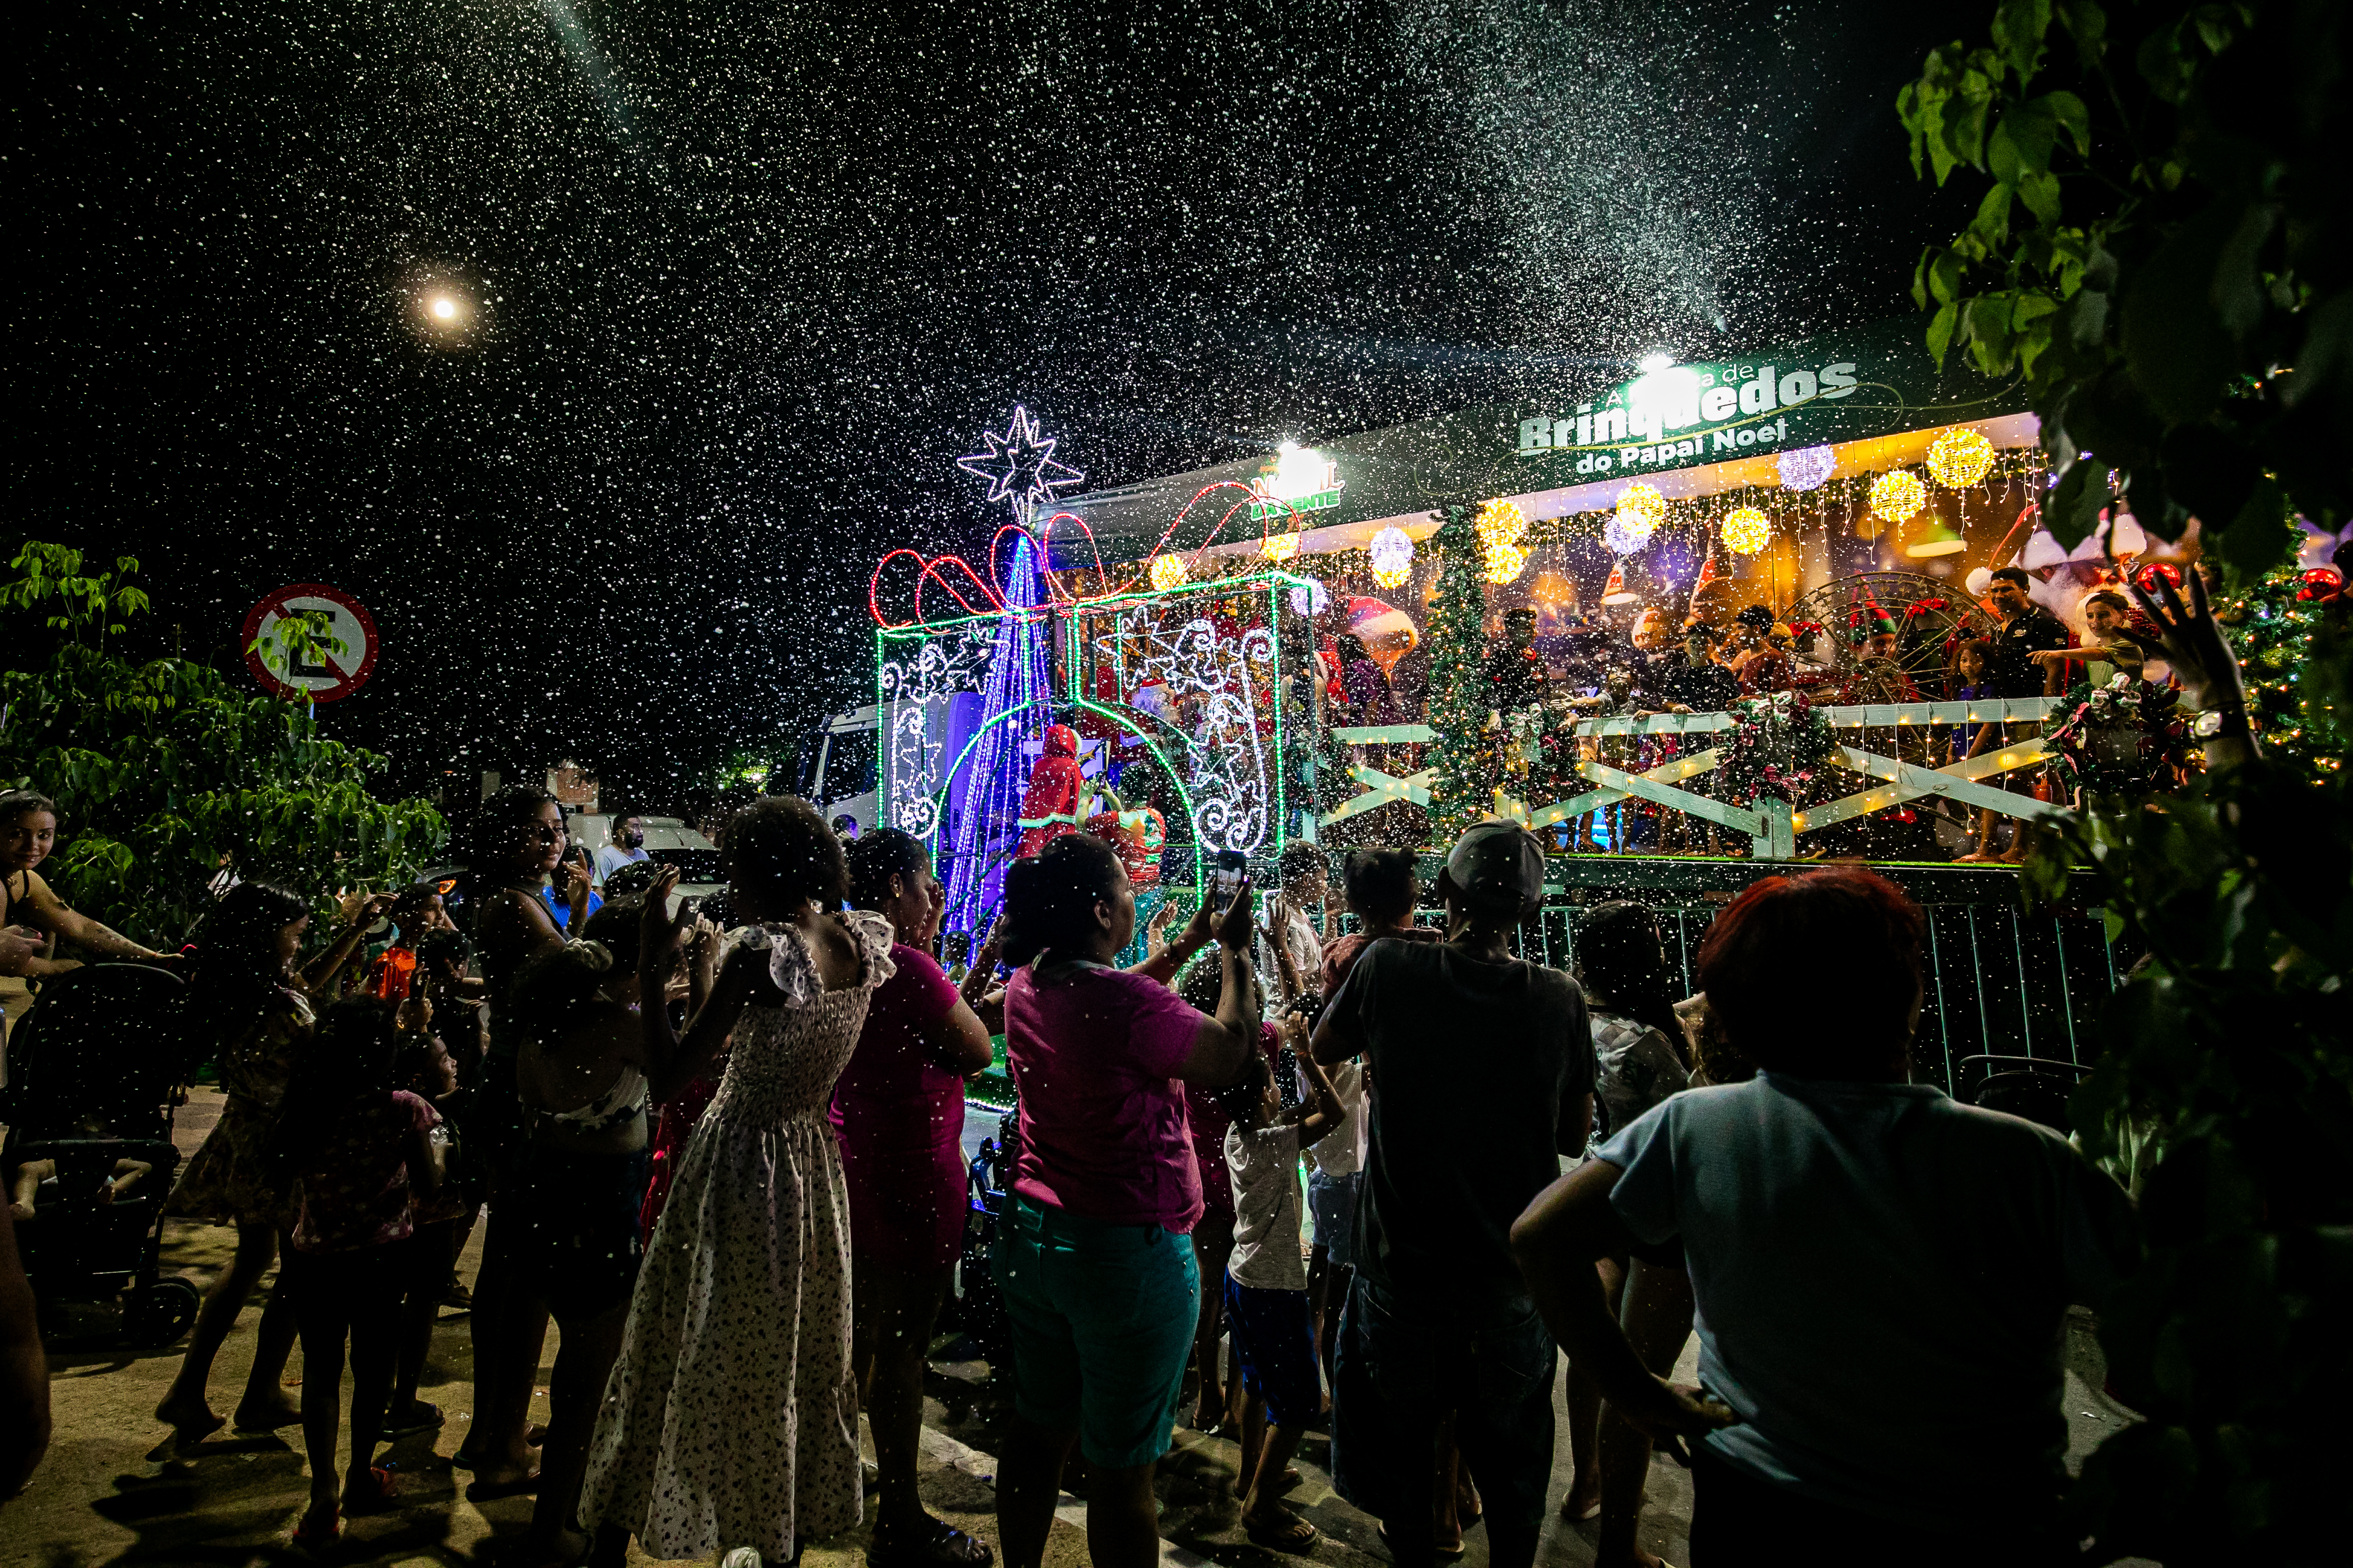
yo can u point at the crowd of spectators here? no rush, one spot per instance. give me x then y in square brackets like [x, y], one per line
[1502, 1161]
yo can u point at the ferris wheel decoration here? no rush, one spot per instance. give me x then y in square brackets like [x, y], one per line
[1925, 615]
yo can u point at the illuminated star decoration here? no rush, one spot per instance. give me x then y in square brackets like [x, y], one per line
[1020, 463]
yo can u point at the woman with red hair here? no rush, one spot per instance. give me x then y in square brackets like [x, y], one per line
[1881, 1273]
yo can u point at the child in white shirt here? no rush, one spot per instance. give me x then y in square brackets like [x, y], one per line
[1266, 1290]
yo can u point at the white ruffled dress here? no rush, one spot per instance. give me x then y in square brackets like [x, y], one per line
[730, 1419]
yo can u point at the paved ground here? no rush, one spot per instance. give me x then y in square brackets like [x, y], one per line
[114, 1491]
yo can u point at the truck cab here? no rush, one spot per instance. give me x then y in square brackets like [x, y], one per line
[838, 772]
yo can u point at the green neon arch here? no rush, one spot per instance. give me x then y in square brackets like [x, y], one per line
[948, 780]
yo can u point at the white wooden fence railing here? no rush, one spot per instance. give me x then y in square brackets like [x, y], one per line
[1771, 826]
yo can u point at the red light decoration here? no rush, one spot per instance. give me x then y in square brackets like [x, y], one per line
[939, 569]
[1194, 560]
[934, 568]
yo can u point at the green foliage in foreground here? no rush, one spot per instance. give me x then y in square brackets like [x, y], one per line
[164, 771]
[2163, 252]
[2224, 1091]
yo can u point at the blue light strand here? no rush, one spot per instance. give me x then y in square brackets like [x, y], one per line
[986, 827]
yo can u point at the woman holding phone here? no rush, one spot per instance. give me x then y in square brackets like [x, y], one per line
[1094, 1257]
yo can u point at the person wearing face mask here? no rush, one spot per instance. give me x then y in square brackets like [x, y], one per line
[627, 848]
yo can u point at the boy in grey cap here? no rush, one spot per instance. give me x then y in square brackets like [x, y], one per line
[1480, 1067]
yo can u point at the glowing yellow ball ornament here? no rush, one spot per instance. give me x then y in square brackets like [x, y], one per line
[1391, 554]
[1168, 571]
[1960, 458]
[1897, 496]
[1501, 526]
[1747, 531]
[1505, 562]
[1280, 546]
[1640, 509]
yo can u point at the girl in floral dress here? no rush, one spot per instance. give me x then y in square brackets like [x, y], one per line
[730, 1422]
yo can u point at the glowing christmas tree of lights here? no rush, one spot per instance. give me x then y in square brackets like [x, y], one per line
[1016, 710]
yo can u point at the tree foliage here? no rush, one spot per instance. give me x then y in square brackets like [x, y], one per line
[162, 768]
[2226, 1088]
[2162, 253]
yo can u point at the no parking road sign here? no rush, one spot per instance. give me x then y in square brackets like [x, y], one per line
[324, 675]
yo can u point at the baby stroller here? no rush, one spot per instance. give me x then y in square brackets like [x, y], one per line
[984, 1317]
[94, 1071]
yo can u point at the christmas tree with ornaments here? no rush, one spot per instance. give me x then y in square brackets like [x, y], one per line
[2271, 626]
[1463, 755]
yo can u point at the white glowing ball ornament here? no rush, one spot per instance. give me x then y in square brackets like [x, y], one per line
[1806, 468]
[1391, 554]
[1640, 509]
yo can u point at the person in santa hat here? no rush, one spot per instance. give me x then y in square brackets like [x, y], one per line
[1050, 807]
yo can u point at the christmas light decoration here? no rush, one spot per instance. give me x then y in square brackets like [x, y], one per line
[1806, 467]
[1640, 509]
[1463, 757]
[1642, 506]
[1168, 571]
[1311, 598]
[1897, 496]
[1501, 527]
[1217, 663]
[1959, 457]
[1503, 563]
[1280, 546]
[2271, 627]
[1018, 687]
[1391, 554]
[1746, 530]
[1019, 465]
[1500, 522]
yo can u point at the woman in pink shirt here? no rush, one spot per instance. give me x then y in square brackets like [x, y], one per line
[898, 1112]
[1095, 1258]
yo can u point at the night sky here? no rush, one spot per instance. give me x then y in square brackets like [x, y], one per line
[737, 283]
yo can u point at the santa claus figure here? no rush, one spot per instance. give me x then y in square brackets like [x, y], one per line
[1050, 807]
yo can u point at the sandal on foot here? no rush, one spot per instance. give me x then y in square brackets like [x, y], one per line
[379, 1494]
[186, 1433]
[287, 1416]
[311, 1535]
[1574, 1515]
[1284, 1533]
[422, 1416]
[939, 1545]
[1451, 1554]
[492, 1491]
